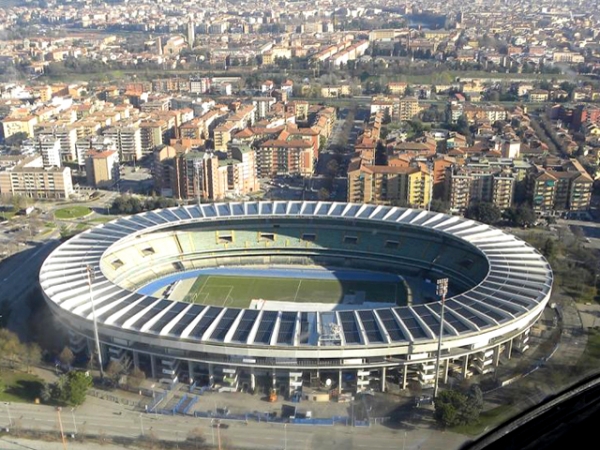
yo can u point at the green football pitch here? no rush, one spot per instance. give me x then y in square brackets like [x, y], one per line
[239, 291]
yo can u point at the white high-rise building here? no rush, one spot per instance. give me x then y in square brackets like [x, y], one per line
[191, 32]
[49, 148]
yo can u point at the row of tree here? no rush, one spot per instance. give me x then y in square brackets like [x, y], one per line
[16, 355]
[129, 204]
[489, 213]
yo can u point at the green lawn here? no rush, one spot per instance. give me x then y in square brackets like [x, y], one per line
[73, 212]
[238, 291]
[487, 420]
[20, 387]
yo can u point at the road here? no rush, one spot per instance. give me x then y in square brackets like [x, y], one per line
[19, 275]
[98, 419]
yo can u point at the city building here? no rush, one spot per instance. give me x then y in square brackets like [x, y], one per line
[567, 188]
[30, 179]
[389, 185]
[102, 168]
[128, 141]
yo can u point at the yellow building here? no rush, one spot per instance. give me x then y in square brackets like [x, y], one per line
[386, 185]
[14, 125]
[102, 168]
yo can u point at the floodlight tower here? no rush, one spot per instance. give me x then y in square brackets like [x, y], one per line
[90, 275]
[441, 291]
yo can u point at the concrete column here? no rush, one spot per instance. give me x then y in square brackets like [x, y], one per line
[340, 381]
[509, 346]
[404, 376]
[252, 381]
[153, 365]
[465, 366]
[446, 369]
[136, 360]
[274, 379]
[496, 356]
[191, 371]
[383, 374]
[211, 374]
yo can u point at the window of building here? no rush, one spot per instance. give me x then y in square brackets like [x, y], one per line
[392, 244]
[351, 240]
[225, 238]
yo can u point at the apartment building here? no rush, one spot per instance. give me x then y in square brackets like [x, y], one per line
[242, 170]
[222, 135]
[198, 175]
[567, 188]
[281, 157]
[151, 135]
[49, 148]
[408, 108]
[465, 185]
[102, 168]
[389, 185]
[30, 179]
[18, 124]
[128, 140]
[65, 133]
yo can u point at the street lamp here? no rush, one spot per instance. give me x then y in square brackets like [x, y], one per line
[8, 412]
[73, 416]
[441, 291]
[90, 274]
[62, 431]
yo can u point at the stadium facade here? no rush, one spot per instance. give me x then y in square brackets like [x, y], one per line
[499, 286]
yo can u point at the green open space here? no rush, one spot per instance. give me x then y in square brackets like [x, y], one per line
[239, 291]
[72, 212]
[487, 420]
[19, 386]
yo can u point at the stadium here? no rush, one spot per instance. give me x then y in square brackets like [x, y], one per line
[297, 295]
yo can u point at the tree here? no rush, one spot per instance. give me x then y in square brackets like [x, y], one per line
[440, 205]
[71, 388]
[18, 202]
[114, 370]
[484, 212]
[5, 313]
[520, 216]
[46, 392]
[322, 142]
[136, 377]
[456, 408]
[32, 355]
[66, 356]
[448, 406]
[196, 435]
[323, 194]
[332, 167]
[15, 140]
[10, 347]
[549, 249]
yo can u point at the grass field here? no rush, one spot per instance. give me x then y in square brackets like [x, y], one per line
[72, 212]
[19, 386]
[238, 291]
